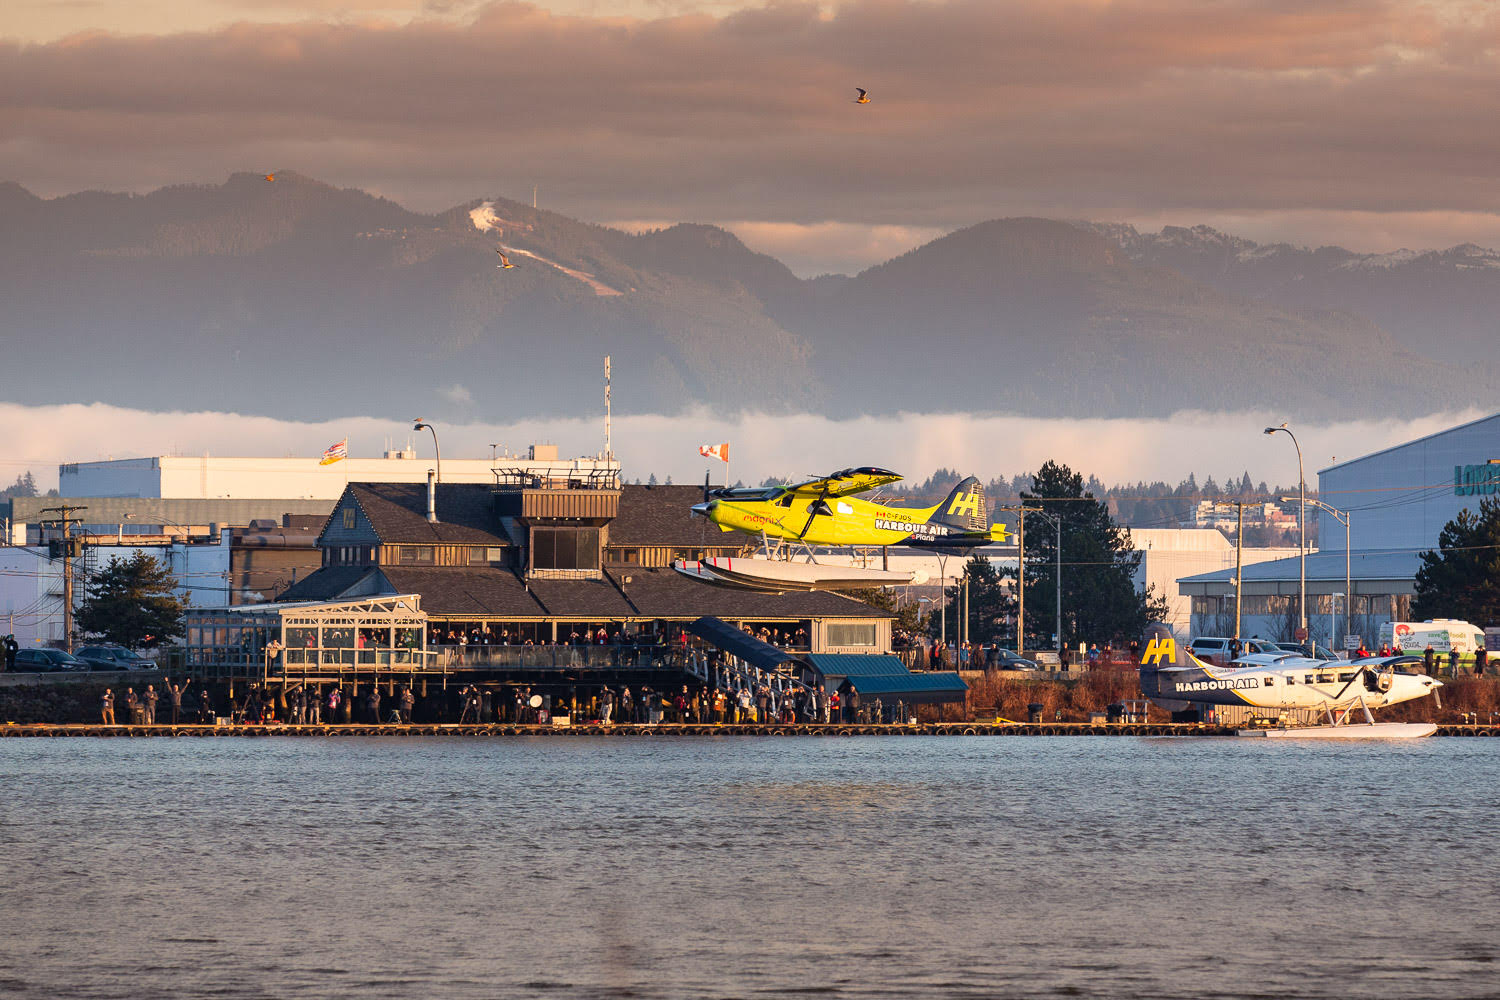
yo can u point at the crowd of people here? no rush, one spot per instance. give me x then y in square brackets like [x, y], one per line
[300, 704]
[922, 652]
[477, 634]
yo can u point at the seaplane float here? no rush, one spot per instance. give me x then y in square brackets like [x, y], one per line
[791, 520]
[1172, 677]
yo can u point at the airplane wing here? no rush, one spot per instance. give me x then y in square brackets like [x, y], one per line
[846, 482]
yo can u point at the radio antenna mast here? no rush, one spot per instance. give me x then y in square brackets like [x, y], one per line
[609, 443]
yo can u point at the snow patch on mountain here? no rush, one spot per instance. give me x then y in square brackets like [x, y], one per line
[484, 217]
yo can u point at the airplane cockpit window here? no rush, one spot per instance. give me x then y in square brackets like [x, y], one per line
[751, 493]
[1310, 679]
[786, 499]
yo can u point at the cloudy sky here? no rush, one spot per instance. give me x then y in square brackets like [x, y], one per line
[1359, 122]
[1365, 123]
[1116, 450]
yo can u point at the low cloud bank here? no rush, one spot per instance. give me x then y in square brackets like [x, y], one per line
[1115, 450]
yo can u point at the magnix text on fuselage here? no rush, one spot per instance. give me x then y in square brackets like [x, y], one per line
[828, 512]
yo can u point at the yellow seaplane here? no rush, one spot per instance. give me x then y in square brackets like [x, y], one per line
[828, 513]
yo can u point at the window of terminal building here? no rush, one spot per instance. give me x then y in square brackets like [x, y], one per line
[483, 555]
[349, 518]
[415, 555]
[565, 548]
[851, 633]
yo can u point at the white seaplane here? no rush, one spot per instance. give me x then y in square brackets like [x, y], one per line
[1172, 677]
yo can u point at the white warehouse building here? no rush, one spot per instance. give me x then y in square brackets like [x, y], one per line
[204, 477]
[1397, 501]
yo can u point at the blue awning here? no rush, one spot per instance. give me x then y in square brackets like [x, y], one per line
[885, 677]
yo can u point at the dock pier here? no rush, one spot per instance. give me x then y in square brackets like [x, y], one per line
[814, 730]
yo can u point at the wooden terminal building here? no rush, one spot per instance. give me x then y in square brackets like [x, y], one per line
[511, 581]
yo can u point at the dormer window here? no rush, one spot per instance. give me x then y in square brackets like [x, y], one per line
[565, 548]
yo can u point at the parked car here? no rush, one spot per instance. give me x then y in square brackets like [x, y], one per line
[112, 657]
[1309, 649]
[1006, 659]
[1216, 649]
[46, 661]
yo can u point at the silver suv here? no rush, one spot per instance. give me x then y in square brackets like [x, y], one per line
[1217, 650]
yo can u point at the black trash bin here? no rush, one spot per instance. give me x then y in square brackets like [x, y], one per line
[1034, 712]
[1114, 712]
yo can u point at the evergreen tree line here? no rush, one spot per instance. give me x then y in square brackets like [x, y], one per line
[24, 486]
[1099, 599]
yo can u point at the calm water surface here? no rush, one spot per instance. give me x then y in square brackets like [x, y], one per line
[742, 867]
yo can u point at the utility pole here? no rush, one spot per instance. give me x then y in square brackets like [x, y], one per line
[66, 520]
[966, 605]
[1021, 583]
[1021, 511]
[1239, 558]
[1056, 520]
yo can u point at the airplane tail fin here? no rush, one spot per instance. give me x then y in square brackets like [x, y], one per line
[1159, 651]
[965, 509]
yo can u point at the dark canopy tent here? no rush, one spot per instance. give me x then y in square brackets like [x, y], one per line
[886, 678]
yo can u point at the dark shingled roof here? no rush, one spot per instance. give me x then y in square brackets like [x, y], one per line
[398, 513]
[324, 584]
[594, 598]
[459, 591]
[663, 515]
[651, 593]
[666, 593]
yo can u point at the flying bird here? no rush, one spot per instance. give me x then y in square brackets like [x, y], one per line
[272, 177]
[863, 97]
[504, 260]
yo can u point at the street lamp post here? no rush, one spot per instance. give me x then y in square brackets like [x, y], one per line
[1342, 517]
[943, 607]
[921, 601]
[1301, 526]
[419, 424]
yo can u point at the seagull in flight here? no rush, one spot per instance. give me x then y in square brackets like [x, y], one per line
[863, 97]
[504, 260]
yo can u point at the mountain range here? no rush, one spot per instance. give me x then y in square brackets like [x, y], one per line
[297, 299]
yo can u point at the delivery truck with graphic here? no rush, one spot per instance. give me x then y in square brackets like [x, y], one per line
[1442, 634]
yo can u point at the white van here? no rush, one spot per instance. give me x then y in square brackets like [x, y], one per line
[1442, 634]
